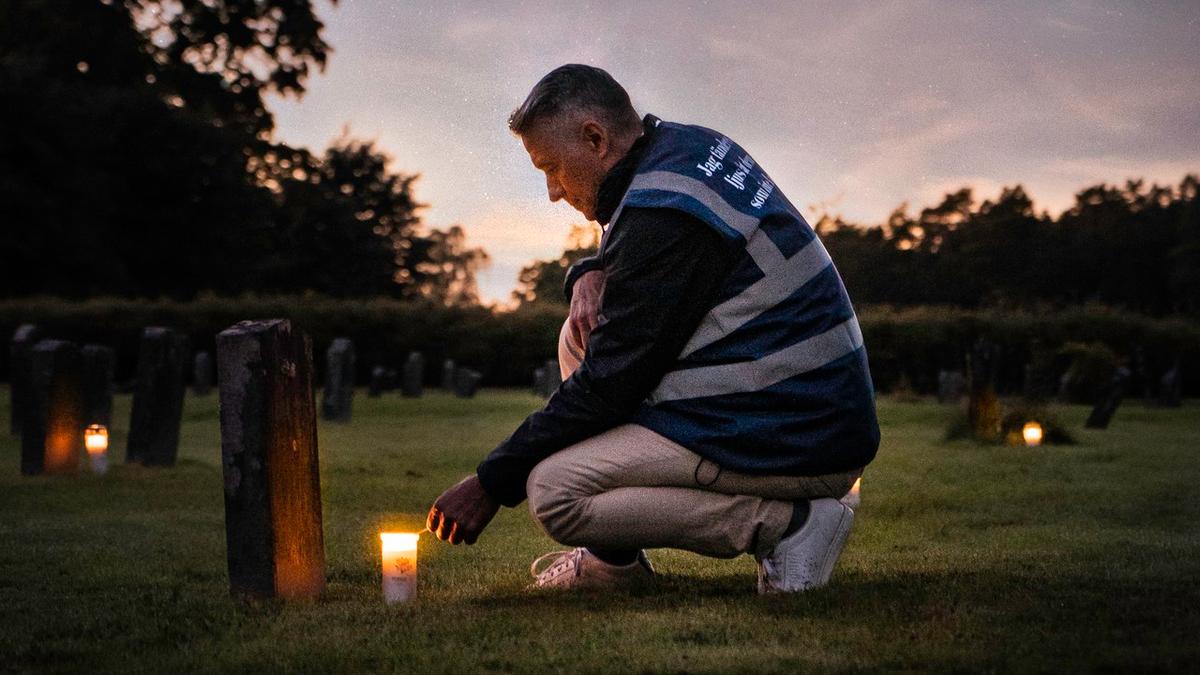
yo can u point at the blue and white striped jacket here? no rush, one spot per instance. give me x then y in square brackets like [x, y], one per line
[775, 379]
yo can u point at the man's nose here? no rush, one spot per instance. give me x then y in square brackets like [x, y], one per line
[554, 189]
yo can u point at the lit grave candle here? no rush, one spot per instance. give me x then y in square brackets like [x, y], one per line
[399, 566]
[854, 497]
[1032, 432]
[95, 438]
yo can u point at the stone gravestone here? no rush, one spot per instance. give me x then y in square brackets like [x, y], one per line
[202, 374]
[983, 407]
[382, 379]
[448, 374]
[98, 365]
[551, 379]
[414, 376]
[23, 340]
[52, 424]
[273, 531]
[1103, 412]
[466, 382]
[539, 374]
[339, 381]
[158, 398]
[951, 386]
[1170, 388]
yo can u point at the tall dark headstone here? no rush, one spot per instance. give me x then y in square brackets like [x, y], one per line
[539, 374]
[466, 382]
[983, 407]
[1170, 388]
[52, 426]
[23, 340]
[273, 533]
[414, 376]
[158, 398]
[1103, 412]
[338, 396]
[98, 366]
[448, 369]
[202, 374]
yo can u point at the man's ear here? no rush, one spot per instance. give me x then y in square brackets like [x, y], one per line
[596, 137]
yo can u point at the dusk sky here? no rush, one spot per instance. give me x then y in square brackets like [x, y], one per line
[852, 108]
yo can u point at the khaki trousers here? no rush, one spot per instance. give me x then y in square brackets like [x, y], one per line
[630, 488]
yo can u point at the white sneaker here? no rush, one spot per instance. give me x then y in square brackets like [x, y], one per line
[578, 568]
[805, 558]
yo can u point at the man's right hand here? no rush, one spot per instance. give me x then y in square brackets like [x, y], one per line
[585, 305]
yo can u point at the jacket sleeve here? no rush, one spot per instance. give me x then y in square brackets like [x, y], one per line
[580, 268]
[663, 269]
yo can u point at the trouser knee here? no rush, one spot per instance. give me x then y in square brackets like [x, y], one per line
[558, 509]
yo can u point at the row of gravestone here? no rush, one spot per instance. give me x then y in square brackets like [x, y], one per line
[983, 406]
[338, 394]
[952, 386]
[59, 388]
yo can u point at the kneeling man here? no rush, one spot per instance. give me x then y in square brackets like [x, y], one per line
[716, 396]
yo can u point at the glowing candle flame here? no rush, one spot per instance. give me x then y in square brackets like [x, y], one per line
[95, 438]
[1033, 434]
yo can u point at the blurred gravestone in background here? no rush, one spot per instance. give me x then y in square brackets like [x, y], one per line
[1170, 388]
[414, 376]
[1103, 412]
[202, 374]
[52, 426]
[98, 366]
[951, 386]
[382, 379]
[466, 382]
[550, 378]
[983, 408]
[338, 396]
[158, 398]
[23, 340]
[448, 374]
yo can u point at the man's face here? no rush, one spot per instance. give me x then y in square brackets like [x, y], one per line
[575, 153]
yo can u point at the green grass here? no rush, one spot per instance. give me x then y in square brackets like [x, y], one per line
[963, 557]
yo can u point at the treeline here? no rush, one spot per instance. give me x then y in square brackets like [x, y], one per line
[137, 159]
[1135, 247]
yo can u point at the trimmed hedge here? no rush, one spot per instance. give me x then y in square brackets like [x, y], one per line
[907, 347]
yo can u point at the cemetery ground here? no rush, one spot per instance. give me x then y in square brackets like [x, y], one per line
[963, 557]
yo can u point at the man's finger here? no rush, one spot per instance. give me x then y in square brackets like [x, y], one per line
[431, 519]
[443, 529]
[454, 536]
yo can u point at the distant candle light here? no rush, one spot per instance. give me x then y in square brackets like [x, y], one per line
[1032, 432]
[95, 439]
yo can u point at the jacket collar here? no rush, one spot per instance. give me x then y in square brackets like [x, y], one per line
[616, 181]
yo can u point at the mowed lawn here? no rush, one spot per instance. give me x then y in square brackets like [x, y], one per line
[963, 557]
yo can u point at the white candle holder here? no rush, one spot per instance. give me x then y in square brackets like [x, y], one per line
[95, 439]
[399, 558]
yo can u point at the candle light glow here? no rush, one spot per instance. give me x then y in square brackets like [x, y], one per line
[399, 559]
[1032, 432]
[95, 439]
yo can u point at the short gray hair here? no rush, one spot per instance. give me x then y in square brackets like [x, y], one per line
[576, 87]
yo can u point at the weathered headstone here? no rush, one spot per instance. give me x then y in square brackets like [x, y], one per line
[448, 369]
[1103, 412]
[951, 386]
[551, 379]
[983, 407]
[382, 379]
[52, 424]
[1170, 388]
[539, 374]
[338, 396]
[98, 365]
[466, 382]
[414, 376]
[158, 398]
[23, 340]
[273, 533]
[202, 374]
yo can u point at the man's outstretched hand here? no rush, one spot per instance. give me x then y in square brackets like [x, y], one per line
[461, 513]
[585, 305]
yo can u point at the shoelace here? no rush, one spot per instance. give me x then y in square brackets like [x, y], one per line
[563, 561]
